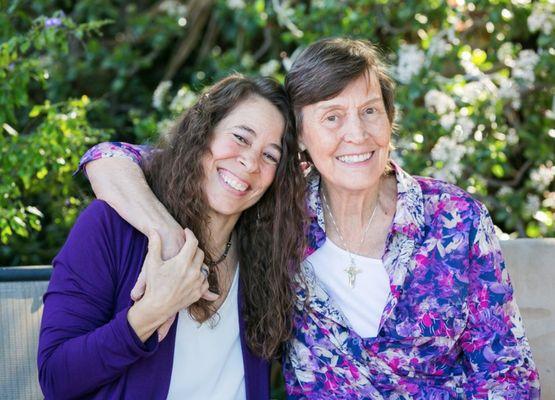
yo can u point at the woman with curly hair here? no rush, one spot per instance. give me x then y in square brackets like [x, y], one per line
[229, 173]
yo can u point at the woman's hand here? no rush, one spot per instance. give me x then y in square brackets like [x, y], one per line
[173, 239]
[171, 285]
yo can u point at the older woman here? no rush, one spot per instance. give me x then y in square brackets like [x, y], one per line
[404, 292]
[230, 174]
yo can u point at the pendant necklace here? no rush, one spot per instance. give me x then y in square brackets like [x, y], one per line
[352, 270]
[212, 264]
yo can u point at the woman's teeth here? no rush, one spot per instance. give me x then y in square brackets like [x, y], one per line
[235, 184]
[355, 158]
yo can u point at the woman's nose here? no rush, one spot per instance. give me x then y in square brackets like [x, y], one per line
[249, 161]
[355, 130]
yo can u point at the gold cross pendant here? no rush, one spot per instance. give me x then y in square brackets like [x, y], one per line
[352, 272]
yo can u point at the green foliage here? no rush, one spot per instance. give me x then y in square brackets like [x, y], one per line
[475, 94]
[36, 165]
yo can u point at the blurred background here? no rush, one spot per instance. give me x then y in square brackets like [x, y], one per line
[475, 95]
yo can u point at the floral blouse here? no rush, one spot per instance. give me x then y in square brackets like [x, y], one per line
[451, 328]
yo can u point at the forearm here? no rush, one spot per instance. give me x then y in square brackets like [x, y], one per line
[75, 366]
[144, 321]
[122, 184]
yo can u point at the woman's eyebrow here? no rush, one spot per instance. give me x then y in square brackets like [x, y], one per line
[253, 132]
[325, 107]
[246, 128]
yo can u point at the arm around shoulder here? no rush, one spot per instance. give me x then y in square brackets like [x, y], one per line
[116, 177]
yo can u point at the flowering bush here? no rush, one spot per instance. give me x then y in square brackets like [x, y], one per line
[475, 94]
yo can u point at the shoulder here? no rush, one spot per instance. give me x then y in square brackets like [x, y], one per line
[100, 233]
[444, 195]
[447, 206]
[102, 219]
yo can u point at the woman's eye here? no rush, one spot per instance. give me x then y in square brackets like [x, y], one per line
[271, 158]
[240, 138]
[331, 118]
[370, 111]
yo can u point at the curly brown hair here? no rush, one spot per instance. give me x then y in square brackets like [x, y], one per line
[270, 233]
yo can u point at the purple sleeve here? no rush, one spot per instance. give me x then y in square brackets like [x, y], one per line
[84, 343]
[498, 361]
[135, 152]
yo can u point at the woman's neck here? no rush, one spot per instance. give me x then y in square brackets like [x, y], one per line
[220, 228]
[352, 210]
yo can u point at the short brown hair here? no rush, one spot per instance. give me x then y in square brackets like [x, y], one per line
[327, 66]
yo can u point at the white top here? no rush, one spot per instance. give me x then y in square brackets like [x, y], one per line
[362, 305]
[208, 362]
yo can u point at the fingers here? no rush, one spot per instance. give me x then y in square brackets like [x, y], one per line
[210, 296]
[165, 328]
[188, 251]
[154, 245]
[207, 294]
[204, 271]
[139, 288]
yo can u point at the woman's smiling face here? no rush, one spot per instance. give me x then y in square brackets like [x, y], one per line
[348, 136]
[243, 156]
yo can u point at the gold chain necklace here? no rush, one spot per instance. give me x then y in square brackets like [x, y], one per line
[352, 270]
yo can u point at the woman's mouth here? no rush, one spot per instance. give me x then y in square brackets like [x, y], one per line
[232, 181]
[356, 158]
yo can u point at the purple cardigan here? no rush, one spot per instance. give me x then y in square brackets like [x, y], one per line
[87, 349]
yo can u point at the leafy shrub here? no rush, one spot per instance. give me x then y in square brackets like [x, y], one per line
[475, 92]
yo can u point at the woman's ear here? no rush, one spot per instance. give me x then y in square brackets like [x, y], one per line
[302, 147]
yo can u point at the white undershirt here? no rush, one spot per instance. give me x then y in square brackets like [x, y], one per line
[208, 362]
[363, 305]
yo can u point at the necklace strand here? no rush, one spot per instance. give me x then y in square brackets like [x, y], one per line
[212, 264]
[352, 271]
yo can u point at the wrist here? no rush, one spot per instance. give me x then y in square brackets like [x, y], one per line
[144, 319]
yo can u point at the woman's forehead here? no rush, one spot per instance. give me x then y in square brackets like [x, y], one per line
[364, 88]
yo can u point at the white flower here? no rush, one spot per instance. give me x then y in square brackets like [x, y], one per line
[512, 137]
[269, 68]
[447, 120]
[463, 129]
[470, 68]
[441, 102]
[505, 191]
[472, 91]
[542, 18]
[543, 176]
[411, 60]
[523, 69]
[532, 205]
[549, 201]
[160, 93]
[236, 4]
[438, 46]
[508, 90]
[164, 128]
[183, 100]
[450, 153]
[173, 8]
[505, 53]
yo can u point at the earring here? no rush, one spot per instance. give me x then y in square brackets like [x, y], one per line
[302, 147]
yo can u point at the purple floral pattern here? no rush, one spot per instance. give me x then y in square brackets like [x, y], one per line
[136, 153]
[450, 329]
